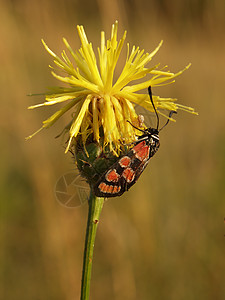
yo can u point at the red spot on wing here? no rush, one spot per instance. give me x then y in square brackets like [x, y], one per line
[141, 151]
[112, 176]
[125, 161]
[139, 146]
[128, 174]
[102, 187]
[108, 189]
[116, 189]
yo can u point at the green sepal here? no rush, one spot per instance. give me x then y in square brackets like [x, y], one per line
[93, 160]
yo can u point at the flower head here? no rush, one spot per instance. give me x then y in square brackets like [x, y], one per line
[102, 104]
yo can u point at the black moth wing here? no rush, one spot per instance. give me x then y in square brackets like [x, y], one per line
[124, 173]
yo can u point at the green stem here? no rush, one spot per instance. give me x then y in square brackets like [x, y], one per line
[95, 208]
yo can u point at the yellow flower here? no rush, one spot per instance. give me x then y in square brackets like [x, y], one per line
[99, 100]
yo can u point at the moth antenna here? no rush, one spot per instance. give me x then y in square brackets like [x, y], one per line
[170, 115]
[157, 116]
[135, 127]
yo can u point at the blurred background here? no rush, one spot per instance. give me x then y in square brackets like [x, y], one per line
[165, 238]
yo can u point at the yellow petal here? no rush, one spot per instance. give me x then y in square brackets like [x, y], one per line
[75, 127]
